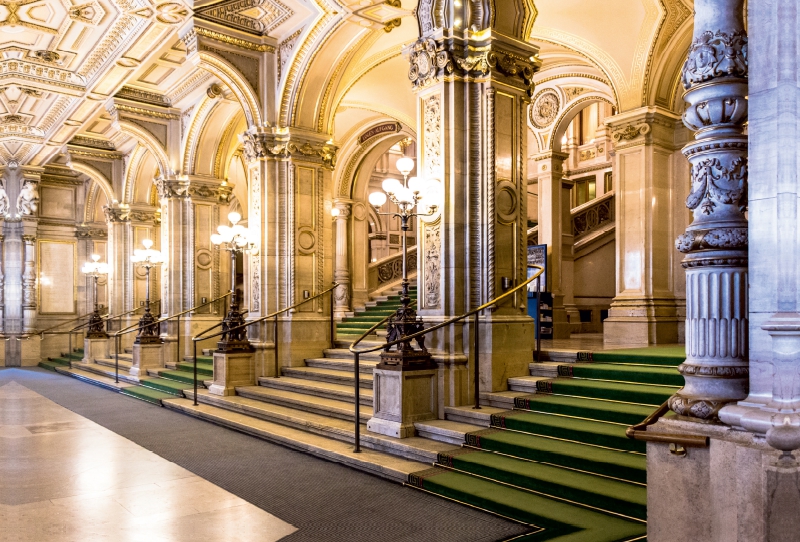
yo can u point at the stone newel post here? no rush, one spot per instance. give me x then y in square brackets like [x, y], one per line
[715, 243]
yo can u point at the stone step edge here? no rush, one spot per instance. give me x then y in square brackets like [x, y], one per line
[375, 462]
[94, 378]
[396, 448]
[338, 395]
[103, 371]
[306, 403]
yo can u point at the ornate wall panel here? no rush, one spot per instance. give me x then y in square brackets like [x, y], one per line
[58, 277]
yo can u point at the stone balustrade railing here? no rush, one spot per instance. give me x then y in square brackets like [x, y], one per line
[533, 235]
[593, 215]
[390, 269]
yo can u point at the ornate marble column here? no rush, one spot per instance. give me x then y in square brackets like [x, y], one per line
[715, 243]
[120, 248]
[29, 285]
[555, 230]
[341, 273]
[473, 89]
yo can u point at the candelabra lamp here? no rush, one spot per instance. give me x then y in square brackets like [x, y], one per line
[236, 240]
[149, 329]
[413, 197]
[95, 269]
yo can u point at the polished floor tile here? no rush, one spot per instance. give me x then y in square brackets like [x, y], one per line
[65, 478]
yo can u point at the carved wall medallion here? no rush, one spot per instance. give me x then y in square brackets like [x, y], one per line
[544, 110]
[427, 60]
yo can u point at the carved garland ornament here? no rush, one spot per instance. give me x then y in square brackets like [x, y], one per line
[433, 245]
[716, 54]
[714, 182]
[719, 238]
[631, 132]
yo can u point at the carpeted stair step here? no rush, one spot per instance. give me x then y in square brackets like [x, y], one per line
[345, 353]
[615, 391]
[105, 371]
[93, 378]
[183, 377]
[319, 405]
[124, 364]
[561, 521]
[372, 461]
[593, 409]
[627, 466]
[664, 355]
[339, 392]
[355, 325]
[609, 435]
[51, 364]
[341, 364]
[328, 375]
[639, 374]
[604, 493]
[203, 368]
[415, 448]
[147, 394]
[171, 387]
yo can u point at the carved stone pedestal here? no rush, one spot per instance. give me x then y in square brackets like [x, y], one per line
[405, 391]
[95, 348]
[146, 356]
[231, 370]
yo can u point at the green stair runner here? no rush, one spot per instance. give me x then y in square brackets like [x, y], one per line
[561, 461]
[61, 361]
[365, 319]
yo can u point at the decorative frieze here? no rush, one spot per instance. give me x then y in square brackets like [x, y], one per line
[259, 146]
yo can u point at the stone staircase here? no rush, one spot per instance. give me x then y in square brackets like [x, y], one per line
[373, 312]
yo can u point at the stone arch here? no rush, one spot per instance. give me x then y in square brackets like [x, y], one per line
[566, 116]
[238, 85]
[97, 178]
[149, 142]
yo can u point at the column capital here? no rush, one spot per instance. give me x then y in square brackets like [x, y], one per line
[280, 144]
[117, 213]
[345, 208]
[645, 125]
[172, 187]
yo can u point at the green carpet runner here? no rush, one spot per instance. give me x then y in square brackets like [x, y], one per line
[62, 361]
[366, 318]
[560, 461]
[172, 382]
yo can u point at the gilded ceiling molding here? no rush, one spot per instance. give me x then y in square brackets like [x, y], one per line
[306, 47]
[88, 208]
[220, 164]
[209, 129]
[648, 34]
[198, 78]
[676, 14]
[138, 95]
[597, 56]
[237, 14]
[131, 171]
[236, 42]
[193, 134]
[233, 80]
[392, 113]
[116, 107]
[97, 178]
[544, 80]
[362, 42]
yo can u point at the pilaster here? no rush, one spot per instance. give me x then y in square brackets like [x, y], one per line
[120, 249]
[645, 308]
[341, 273]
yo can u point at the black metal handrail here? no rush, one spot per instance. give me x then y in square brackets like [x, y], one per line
[407, 338]
[41, 333]
[275, 331]
[132, 328]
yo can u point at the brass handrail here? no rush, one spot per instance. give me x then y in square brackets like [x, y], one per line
[120, 315]
[640, 432]
[245, 311]
[274, 315]
[132, 328]
[41, 333]
[407, 338]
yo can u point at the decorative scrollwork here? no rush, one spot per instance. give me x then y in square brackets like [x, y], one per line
[428, 59]
[716, 54]
[545, 110]
[593, 218]
[392, 270]
[713, 183]
[720, 238]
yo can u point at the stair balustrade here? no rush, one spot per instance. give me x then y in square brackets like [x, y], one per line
[389, 270]
[273, 316]
[475, 313]
[593, 215]
[134, 327]
[533, 235]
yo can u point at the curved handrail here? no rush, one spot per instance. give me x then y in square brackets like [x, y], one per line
[274, 315]
[440, 325]
[357, 353]
[243, 312]
[640, 432]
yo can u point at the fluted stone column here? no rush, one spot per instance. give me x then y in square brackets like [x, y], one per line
[715, 243]
[555, 230]
[341, 273]
[29, 285]
[774, 304]
[120, 249]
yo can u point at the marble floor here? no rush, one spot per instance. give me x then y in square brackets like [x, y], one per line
[65, 478]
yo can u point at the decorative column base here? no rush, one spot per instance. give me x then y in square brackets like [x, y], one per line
[402, 397]
[232, 370]
[641, 321]
[146, 356]
[94, 349]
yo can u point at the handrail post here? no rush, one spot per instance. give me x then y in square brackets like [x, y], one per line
[69, 352]
[477, 361]
[116, 358]
[275, 340]
[195, 372]
[333, 326]
[357, 449]
[539, 319]
[178, 333]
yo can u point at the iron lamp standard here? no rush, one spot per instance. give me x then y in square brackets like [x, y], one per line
[425, 196]
[94, 269]
[235, 239]
[149, 329]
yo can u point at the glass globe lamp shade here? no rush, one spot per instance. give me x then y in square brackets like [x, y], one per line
[216, 238]
[226, 232]
[147, 243]
[416, 184]
[87, 267]
[376, 199]
[334, 211]
[391, 186]
[95, 257]
[404, 165]
[234, 217]
[404, 195]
